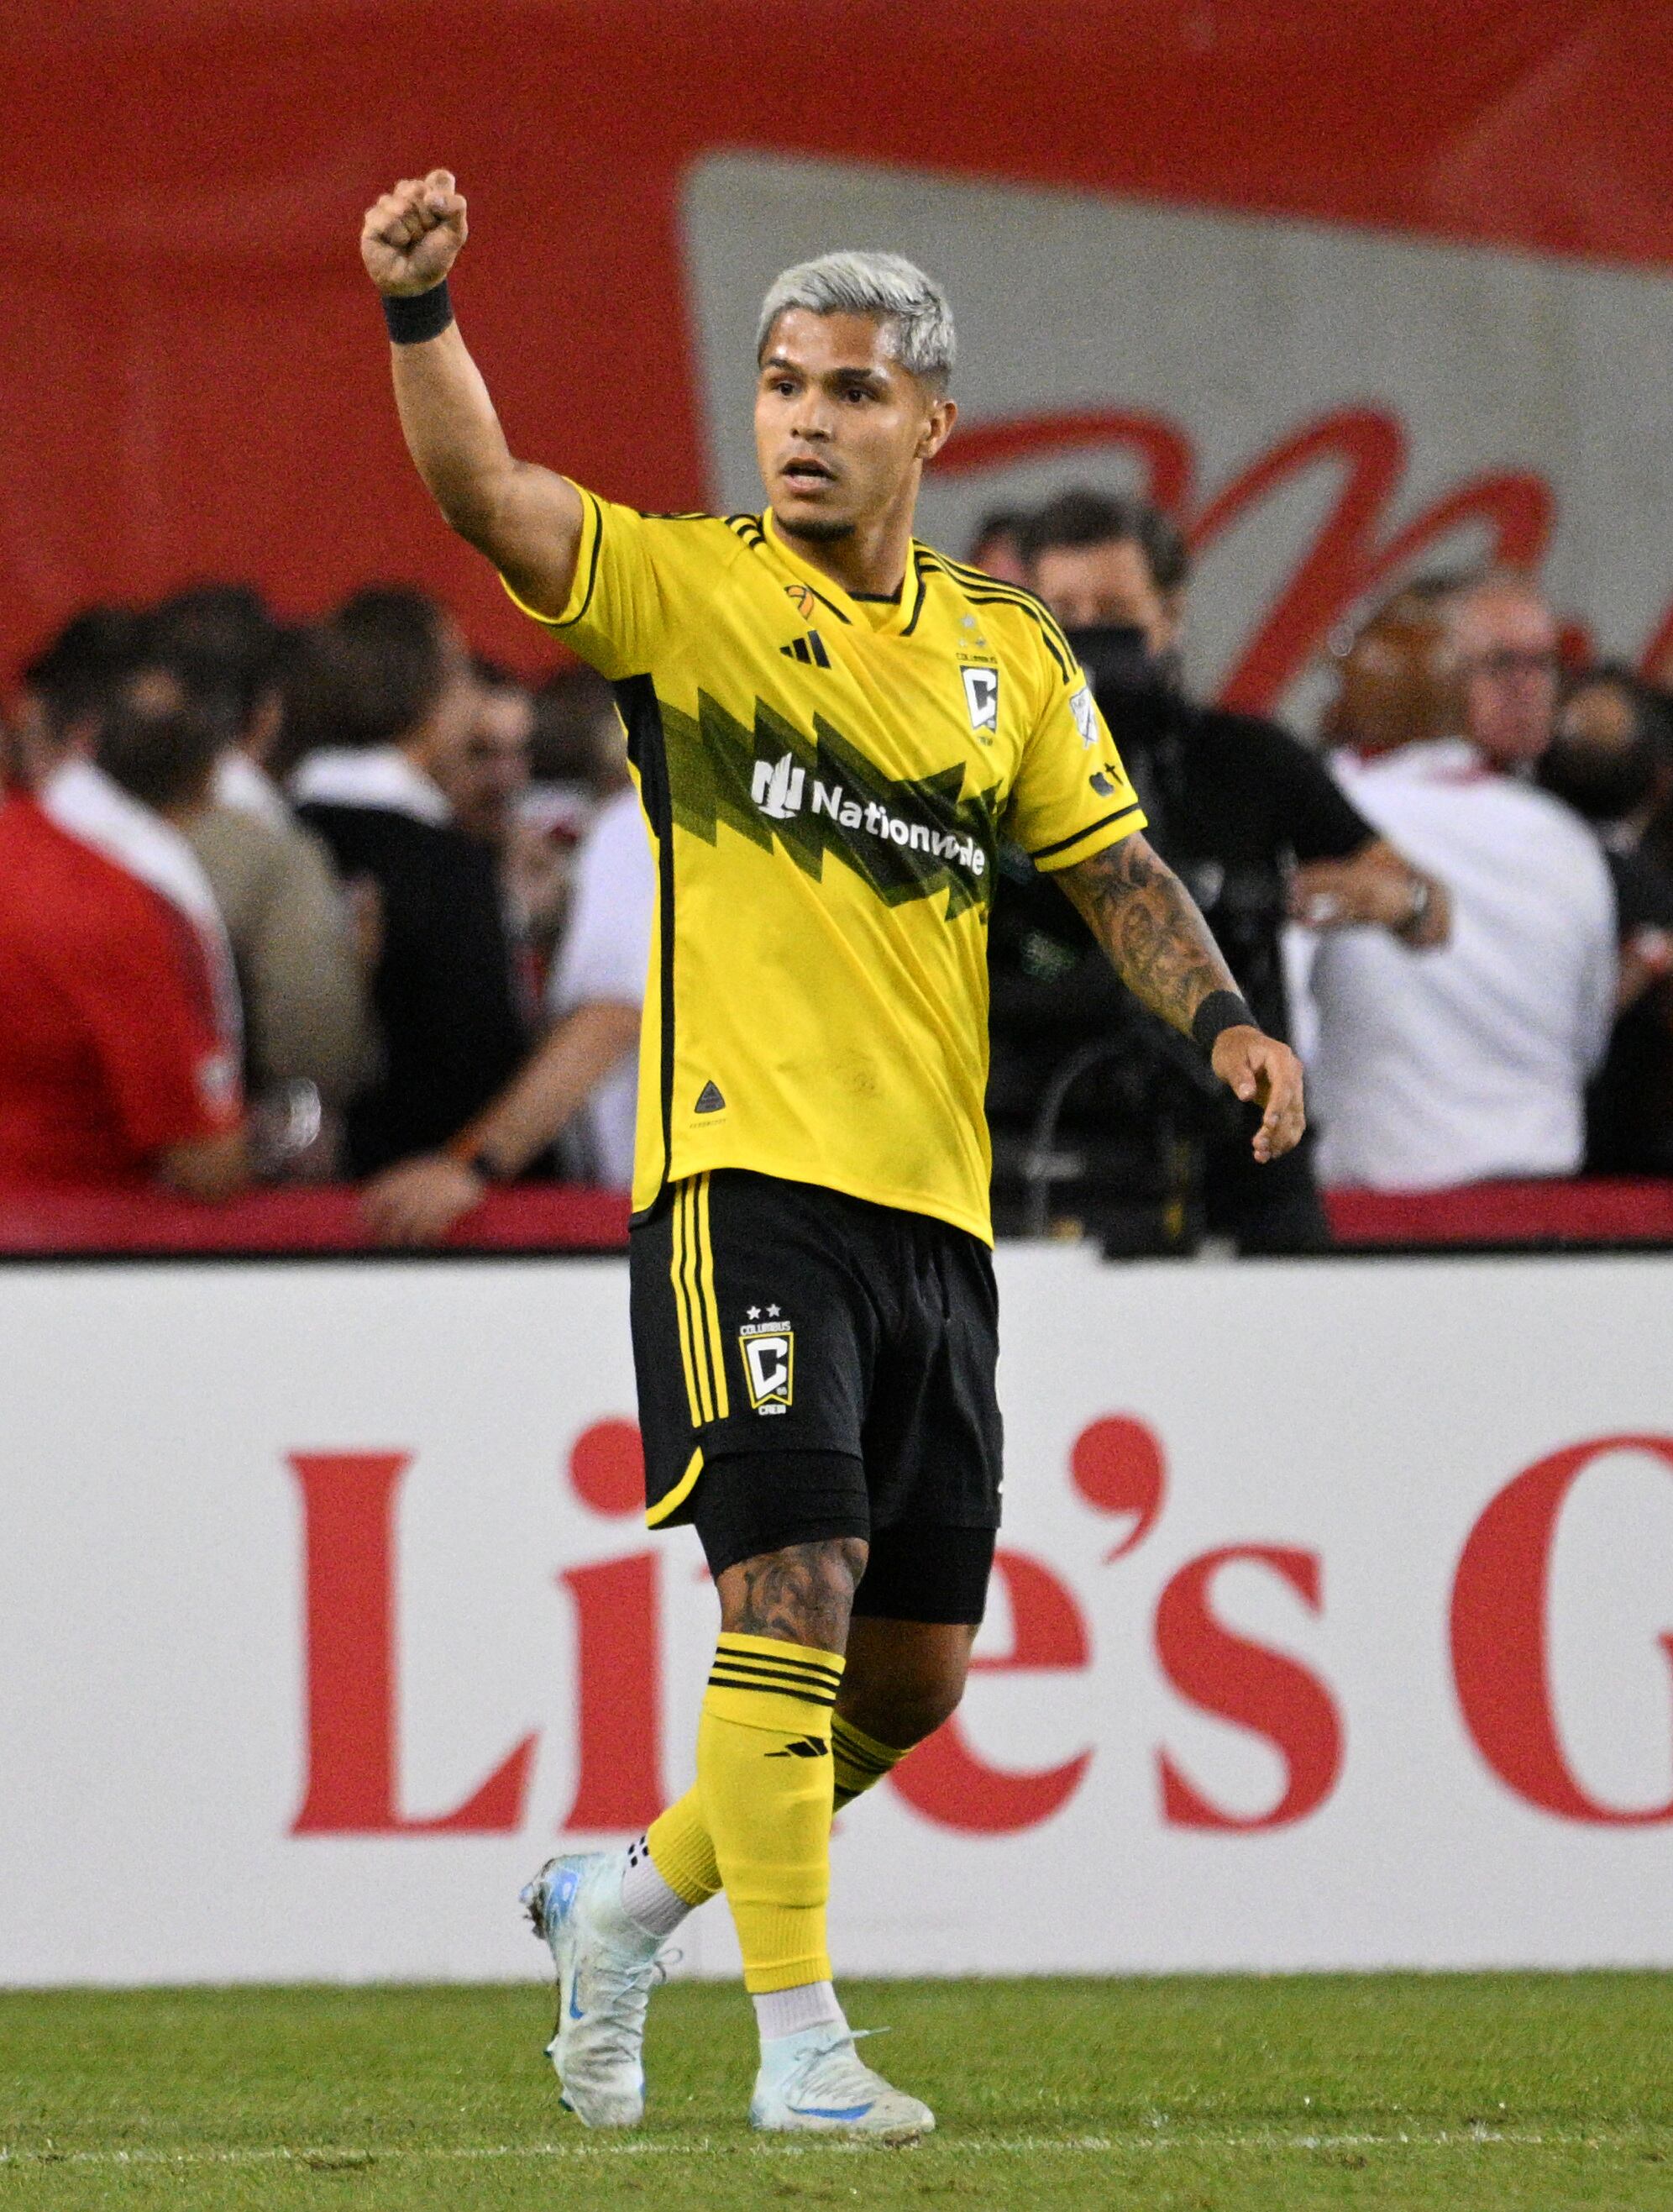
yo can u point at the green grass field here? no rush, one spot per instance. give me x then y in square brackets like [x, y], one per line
[1197, 2095]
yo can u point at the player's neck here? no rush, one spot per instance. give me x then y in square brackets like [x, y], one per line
[869, 564]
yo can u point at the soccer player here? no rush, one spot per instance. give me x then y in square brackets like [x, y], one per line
[831, 726]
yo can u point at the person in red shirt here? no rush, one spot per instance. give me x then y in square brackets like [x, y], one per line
[115, 1069]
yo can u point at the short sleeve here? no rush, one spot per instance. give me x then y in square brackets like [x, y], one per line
[616, 615]
[146, 1008]
[1072, 797]
[606, 947]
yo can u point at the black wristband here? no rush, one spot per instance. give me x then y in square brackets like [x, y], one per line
[1220, 1010]
[414, 316]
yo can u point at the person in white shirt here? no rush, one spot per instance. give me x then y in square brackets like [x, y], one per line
[1468, 1062]
[582, 1082]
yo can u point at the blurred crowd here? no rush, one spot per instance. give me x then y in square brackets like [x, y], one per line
[1457, 901]
[314, 903]
[340, 901]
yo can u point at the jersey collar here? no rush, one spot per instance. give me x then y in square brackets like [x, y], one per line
[901, 619]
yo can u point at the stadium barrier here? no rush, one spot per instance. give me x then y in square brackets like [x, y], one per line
[1332, 1627]
[565, 1218]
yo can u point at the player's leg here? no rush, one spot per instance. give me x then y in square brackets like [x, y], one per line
[605, 1916]
[772, 1324]
[915, 1619]
[764, 1738]
[764, 1768]
[902, 1680]
[758, 1820]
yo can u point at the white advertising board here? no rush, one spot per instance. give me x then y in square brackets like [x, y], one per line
[1333, 1627]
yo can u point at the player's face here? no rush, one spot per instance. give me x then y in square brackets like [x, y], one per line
[841, 429]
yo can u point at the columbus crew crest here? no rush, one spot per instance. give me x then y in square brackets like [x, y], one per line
[981, 696]
[768, 1347]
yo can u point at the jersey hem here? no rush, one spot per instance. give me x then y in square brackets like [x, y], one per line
[979, 1226]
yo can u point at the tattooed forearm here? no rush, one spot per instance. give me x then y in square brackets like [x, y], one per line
[801, 1594]
[1148, 924]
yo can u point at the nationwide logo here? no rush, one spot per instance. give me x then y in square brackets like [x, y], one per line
[822, 799]
[777, 788]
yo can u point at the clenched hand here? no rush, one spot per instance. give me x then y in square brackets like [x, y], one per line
[411, 237]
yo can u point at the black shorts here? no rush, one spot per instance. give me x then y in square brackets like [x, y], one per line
[760, 1502]
[779, 1318]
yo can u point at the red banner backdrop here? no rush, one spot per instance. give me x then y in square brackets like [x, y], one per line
[189, 360]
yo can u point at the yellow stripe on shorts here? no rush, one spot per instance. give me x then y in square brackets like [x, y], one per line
[706, 1302]
[682, 1312]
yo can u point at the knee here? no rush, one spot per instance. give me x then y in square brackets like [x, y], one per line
[902, 1695]
[921, 1707]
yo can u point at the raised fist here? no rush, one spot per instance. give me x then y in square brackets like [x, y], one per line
[411, 237]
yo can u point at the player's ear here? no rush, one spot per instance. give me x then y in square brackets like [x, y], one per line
[938, 428]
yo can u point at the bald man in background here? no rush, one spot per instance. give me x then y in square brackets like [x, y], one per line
[1470, 1064]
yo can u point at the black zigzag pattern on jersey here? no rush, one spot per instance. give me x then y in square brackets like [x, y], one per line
[712, 760]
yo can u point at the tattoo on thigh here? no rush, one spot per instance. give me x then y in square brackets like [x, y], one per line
[803, 1594]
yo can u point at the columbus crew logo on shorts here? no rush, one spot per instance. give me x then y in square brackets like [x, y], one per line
[769, 1345]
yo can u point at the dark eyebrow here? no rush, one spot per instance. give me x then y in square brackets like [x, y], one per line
[866, 374]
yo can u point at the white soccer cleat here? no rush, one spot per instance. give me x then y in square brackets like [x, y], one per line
[607, 1969]
[813, 2083]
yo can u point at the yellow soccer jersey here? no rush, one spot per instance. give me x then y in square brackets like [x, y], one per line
[826, 781]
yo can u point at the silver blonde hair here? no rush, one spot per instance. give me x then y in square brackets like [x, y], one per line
[912, 306]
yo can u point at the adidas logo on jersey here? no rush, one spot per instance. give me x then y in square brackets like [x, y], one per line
[810, 649]
[803, 1746]
[709, 1100]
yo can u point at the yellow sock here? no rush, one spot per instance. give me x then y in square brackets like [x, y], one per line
[858, 1760]
[764, 1791]
[682, 1851]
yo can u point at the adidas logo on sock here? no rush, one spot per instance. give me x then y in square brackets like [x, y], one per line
[810, 649]
[804, 1746]
[709, 1100]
